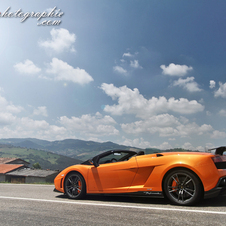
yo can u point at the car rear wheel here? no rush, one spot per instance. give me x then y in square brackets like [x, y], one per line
[183, 187]
[75, 186]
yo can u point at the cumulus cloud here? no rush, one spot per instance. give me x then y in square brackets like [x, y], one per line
[221, 92]
[212, 84]
[189, 84]
[8, 112]
[28, 67]
[41, 111]
[8, 107]
[127, 55]
[175, 69]
[218, 134]
[61, 39]
[222, 112]
[96, 125]
[165, 125]
[6, 118]
[188, 146]
[26, 127]
[137, 142]
[120, 70]
[154, 124]
[163, 146]
[62, 71]
[135, 64]
[132, 102]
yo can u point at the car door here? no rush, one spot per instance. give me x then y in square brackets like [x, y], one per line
[112, 177]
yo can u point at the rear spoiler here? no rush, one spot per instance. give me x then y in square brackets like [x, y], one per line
[219, 150]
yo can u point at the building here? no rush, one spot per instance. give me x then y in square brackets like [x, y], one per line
[28, 175]
[6, 168]
[17, 170]
[14, 161]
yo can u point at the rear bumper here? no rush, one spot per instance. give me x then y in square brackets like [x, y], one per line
[220, 189]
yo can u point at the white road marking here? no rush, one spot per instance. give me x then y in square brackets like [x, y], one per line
[113, 205]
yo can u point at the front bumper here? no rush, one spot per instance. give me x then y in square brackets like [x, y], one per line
[55, 190]
[220, 189]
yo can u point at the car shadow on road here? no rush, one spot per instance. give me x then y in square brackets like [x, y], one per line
[121, 199]
[219, 201]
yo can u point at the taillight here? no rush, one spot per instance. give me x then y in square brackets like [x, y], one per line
[217, 159]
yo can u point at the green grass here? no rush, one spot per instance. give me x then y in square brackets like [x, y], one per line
[47, 160]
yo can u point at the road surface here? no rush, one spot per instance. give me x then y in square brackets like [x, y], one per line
[24, 204]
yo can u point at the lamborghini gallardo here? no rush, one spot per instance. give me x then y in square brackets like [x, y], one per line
[183, 177]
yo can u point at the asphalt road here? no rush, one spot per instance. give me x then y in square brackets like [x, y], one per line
[23, 204]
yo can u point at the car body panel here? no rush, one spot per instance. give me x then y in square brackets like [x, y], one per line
[114, 177]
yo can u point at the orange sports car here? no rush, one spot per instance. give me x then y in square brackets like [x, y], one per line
[182, 177]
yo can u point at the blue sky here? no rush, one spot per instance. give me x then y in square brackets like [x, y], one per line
[140, 73]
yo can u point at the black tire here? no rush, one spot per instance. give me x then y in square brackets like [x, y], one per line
[75, 186]
[182, 187]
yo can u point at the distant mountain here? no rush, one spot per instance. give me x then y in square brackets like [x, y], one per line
[63, 153]
[74, 148]
[47, 160]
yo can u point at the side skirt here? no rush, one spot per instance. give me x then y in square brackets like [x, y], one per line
[154, 194]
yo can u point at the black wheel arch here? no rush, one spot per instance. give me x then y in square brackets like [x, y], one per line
[71, 172]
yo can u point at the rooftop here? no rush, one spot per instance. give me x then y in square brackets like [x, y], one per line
[32, 172]
[6, 160]
[10, 160]
[4, 168]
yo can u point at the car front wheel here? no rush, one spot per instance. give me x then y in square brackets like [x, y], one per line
[75, 186]
[183, 187]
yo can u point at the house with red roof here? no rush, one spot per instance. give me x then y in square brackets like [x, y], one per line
[7, 168]
[8, 165]
[17, 170]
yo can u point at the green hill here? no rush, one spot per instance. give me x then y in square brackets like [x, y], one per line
[73, 148]
[47, 160]
[62, 153]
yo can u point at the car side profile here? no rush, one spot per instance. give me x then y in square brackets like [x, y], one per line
[182, 177]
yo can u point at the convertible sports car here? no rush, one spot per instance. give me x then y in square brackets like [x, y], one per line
[182, 177]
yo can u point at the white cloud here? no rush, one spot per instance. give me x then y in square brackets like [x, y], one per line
[222, 112]
[187, 84]
[135, 64]
[132, 102]
[6, 118]
[137, 142]
[165, 125]
[212, 84]
[218, 135]
[163, 146]
[127, 55]
[41, 111]
[175, 69]
[61, 40]
[120, 70]
[221, 92]
[28, 67]
[8, 107]
[95, 126]
[65, 72]
[162, 124]
[187, 146]
[27, 127]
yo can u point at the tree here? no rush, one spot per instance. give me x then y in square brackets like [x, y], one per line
[36, 166]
